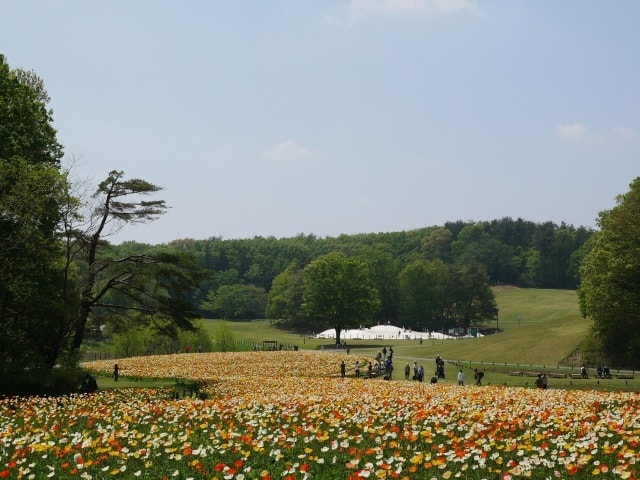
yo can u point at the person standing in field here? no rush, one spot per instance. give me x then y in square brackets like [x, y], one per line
[460, 377]
[357, 368]
[407, 371]
[343, 369]
[478, 376]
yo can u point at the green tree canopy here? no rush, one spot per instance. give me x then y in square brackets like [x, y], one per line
[26, 124]
[33, 321]
[156, 285]
[610, 280]
[339, 291]
[423, 292]
[284, 302]
[238, 301]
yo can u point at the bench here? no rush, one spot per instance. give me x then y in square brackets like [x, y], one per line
[576, 375]
[515, 374]
[627, 376]
[532, 374]
[557, 375]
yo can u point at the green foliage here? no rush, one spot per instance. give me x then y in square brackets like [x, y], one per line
[610, 289]
[33, 315]
[41, 381]
[469, 297]
[237, 301]
[156, 286]
[339, 291]
[285, 298]
[224, 340]
[423, 289]
[197, 340]
[136, 340]
[26, 125]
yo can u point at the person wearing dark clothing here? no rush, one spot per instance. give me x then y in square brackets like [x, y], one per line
[440, 367]
[407, 371]
[116, 372]
[343, 369]
[89, 385]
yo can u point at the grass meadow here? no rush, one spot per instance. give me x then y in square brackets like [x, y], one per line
[289, 415]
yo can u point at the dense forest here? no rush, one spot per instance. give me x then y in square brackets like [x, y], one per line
[505, 251]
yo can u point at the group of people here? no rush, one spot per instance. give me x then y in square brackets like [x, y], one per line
[601, 372]
[383, 366]
[541, 381]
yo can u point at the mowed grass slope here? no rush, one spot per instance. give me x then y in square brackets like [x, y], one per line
[540, 327]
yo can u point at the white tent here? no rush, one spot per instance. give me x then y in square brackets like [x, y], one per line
[382, 332]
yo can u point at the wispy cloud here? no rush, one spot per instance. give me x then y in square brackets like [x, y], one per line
[579, 133]
[357, 10]
[288, 150]
[572, 132]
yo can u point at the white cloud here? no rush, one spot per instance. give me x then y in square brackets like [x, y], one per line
[578, 133]
[624, 133]
[572, 132]
[288, 150]
[358, 9]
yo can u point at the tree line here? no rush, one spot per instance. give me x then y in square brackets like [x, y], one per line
[421, 275]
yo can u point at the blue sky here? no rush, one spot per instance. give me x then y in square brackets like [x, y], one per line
[327, 117]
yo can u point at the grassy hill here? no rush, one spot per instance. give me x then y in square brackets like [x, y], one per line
[540, 327]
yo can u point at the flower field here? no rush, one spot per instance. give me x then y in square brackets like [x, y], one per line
[288, 415]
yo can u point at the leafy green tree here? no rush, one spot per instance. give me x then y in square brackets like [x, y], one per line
[530, 259]
[237, 301]
[475, 245]
[437, 245]
[284, 302]
[197, 340]
[384, 274]
[135, 341]
[610, 280]
[156, 286]
[33, 315]
[224, 340]
[423, 293]
[339, 291]
[470, 300]
[26, 124]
